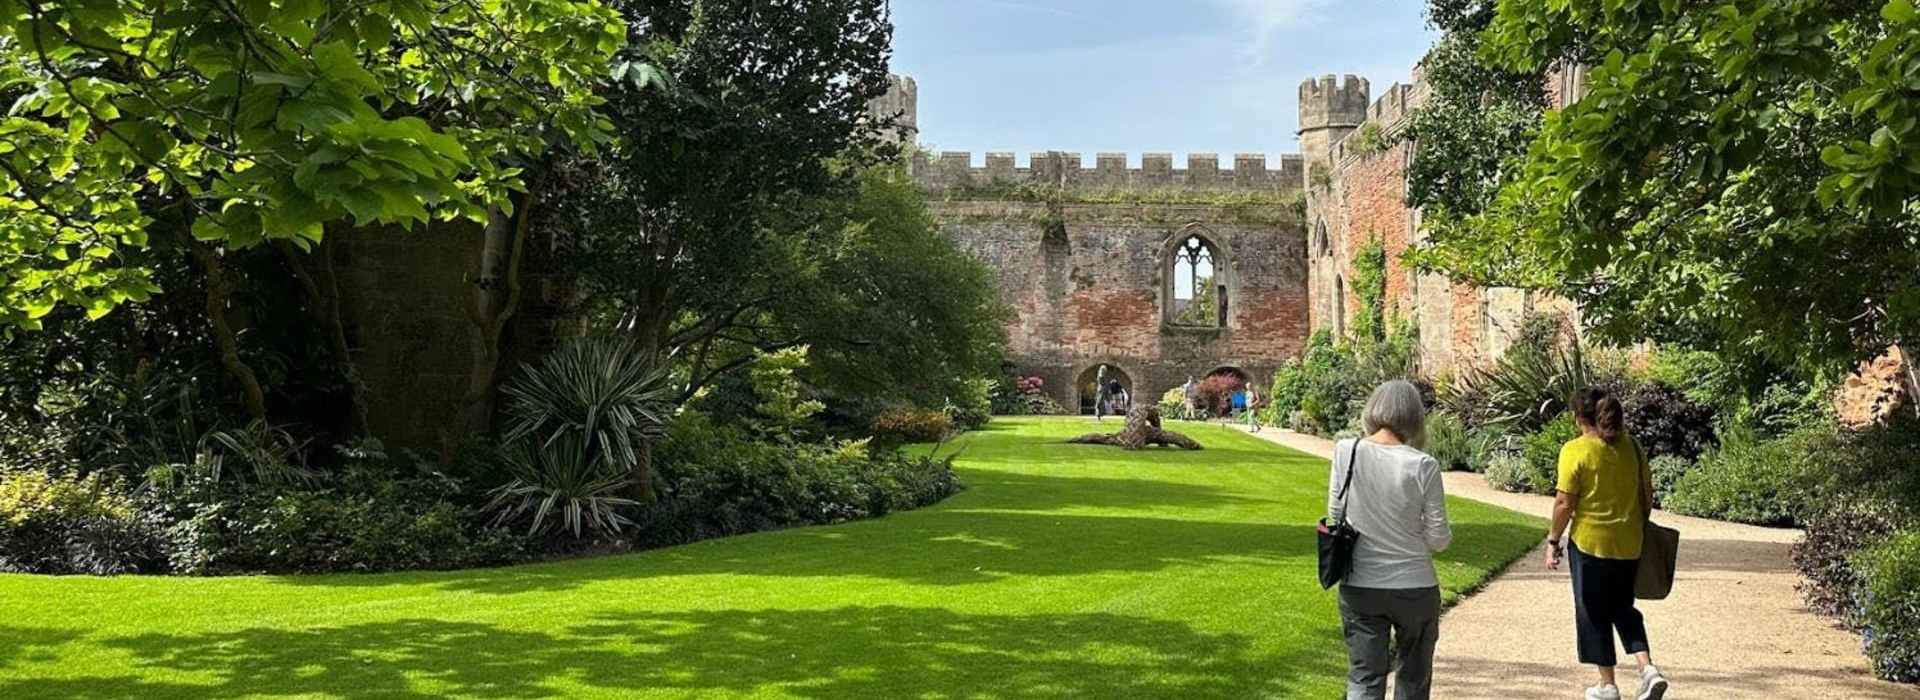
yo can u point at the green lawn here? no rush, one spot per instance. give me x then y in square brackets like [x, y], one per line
[1063, 572]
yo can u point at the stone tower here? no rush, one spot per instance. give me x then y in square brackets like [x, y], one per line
[1330, 109]
[902, 105]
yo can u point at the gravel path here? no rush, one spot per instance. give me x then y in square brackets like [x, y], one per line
[1734, 628]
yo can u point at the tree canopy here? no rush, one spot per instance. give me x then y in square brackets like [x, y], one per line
[1739, 177]
[244, 121]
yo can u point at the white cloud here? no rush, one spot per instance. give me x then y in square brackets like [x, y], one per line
[1259, 21]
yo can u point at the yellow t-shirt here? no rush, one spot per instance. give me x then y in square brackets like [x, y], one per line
[1605, 480]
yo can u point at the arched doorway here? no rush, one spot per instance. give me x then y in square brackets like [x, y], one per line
[1215, 394]
[1088, 388]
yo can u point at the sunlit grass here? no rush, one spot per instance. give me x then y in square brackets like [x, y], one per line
[1063, 572]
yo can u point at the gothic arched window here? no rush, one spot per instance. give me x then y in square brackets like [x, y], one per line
[1198, 289]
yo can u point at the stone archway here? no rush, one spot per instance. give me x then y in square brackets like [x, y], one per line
[1215, 398]
[1086, 393]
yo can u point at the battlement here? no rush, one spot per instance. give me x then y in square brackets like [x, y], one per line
[954, 170]
[1389, 113]
[1393, 106]
[1333, 102]
[899, 107]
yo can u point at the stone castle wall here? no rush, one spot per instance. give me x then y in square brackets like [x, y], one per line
[1088, 285]
[1364, 196]
[954, 170]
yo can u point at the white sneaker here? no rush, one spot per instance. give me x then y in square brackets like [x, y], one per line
[1653, 686]
[1603, 692]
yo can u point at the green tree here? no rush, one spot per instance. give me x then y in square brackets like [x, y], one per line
[1740, 177]
[242, 122]
[142, 129]
[685, 231]
[893, 310]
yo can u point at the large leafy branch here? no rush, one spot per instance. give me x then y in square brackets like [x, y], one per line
[243, 121]
[1739, 177]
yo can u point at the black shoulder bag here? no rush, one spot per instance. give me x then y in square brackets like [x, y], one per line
[1337, 540]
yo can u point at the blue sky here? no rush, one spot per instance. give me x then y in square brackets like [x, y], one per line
[1137, 76]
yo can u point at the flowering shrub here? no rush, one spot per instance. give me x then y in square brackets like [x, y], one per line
[1214, 395]
[913, 425]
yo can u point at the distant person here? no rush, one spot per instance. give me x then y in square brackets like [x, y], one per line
[1390, 600]
[1603, 492]
[1118, 396]
[1253, 411]
[1101, 398]
[1238, 403]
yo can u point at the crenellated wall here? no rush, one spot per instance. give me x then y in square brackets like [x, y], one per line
[1202, 172]
[1363, 197]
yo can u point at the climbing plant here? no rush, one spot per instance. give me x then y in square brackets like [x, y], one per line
[1370, 285]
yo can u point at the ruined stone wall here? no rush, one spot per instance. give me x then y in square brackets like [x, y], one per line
[953, 173]
[1365, 197]
[1088, 284]
[405, 300]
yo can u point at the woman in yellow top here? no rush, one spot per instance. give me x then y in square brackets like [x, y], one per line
[1604, 489]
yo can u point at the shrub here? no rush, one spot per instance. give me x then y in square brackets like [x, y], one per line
[1825, 556]
[579, 424]
[1541, 452]
[1173, 403]
[1666, 422]
[1745, 480]
[974, 408]
[361, 521]
[1448, 442]
[1214, 395]
[716, 481]
[1890, 614]
[604, 390]
[1024, 395]
[1667, 472]
[1483, 444]
[1508, 471]
[557, 485]
[63, 525]
[913, 425]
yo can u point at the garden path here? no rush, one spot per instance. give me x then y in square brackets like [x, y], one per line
[1734, 627]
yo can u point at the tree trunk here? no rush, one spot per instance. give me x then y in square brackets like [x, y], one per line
[641, 473]
[323, 301]
[495, 299]
[225, 337]
[1911, 364]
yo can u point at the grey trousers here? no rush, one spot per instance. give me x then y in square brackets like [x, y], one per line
[1381, 624]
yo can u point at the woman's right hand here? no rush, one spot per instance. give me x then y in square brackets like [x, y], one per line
[1553, 557]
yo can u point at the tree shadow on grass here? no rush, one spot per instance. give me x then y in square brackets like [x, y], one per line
[946, 548]
[855, 652]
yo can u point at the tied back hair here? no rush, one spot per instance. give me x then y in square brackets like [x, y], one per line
[1597, 407]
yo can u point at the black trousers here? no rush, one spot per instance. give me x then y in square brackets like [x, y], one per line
[1603, 605]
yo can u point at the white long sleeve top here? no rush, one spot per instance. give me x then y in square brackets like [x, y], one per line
[1398, 503]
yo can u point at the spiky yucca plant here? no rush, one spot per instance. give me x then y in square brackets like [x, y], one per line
[578, 431]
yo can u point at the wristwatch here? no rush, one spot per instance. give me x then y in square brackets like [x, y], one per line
[1558, 548]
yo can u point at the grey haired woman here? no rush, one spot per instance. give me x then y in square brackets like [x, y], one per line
[1390, 601]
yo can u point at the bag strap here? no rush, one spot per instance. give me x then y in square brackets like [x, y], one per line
[1640, 468]
[1353, 456]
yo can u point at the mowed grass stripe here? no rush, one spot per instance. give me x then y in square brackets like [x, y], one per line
[1064, 571]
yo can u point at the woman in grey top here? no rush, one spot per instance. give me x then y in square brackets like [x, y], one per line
[1399, 507]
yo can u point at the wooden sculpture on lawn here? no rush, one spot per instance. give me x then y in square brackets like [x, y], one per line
[1142, 429]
